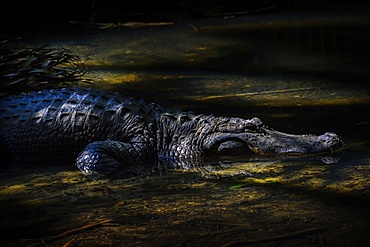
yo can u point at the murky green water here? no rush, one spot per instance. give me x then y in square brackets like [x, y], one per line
[299, 74]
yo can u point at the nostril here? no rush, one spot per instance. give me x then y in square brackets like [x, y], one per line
[328, 137]
[333, 140]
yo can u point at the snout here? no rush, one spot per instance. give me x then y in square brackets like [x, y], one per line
[277, 142]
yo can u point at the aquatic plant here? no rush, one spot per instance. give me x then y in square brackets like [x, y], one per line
[24, 69]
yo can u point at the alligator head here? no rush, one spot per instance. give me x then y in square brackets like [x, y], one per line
[236, 136]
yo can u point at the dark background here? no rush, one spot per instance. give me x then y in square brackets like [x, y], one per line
[18, 13]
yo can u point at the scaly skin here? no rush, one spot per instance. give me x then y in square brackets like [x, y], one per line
[105, 134]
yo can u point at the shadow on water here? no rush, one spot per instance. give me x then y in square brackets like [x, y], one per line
[300, 73]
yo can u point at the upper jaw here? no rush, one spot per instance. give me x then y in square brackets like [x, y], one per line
[269, 141]
[277, 142]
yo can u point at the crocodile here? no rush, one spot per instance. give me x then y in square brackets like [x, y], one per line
[105, 134]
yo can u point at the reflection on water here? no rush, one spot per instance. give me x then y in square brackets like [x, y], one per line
[300, 75]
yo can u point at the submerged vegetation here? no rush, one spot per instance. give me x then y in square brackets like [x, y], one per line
[26, 69]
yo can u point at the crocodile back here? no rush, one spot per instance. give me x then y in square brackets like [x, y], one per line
[53, 126]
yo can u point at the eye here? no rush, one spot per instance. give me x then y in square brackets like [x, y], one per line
[183, 118]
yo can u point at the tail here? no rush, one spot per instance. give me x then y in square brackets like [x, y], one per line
[28, 69]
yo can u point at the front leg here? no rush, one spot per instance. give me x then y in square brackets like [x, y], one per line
[112, 159]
